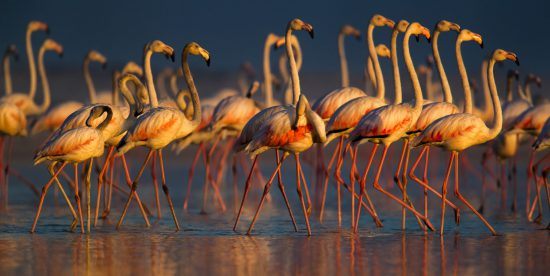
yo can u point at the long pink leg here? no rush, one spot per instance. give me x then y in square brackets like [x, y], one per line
[43, 195]
[326, 179]
[306, 189]
[101, 181]
[77, 197]
[425, 184]
[514, 181]
[166, 191]
[444, 192]
[299, 190]
[463, 199]
[142, 207]
[282, 189]
[363, 191]
[155, 184]
[134, 187]
[266, 191]
[191, 174]
[503, 185]
[377, 186]
[527, 182]
[246, 189]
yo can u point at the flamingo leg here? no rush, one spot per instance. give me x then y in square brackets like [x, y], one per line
[101, 181]
[527, 182]
[246, 189]
[134, 187]
[69, 204]
[166, 191]
[463, 199]
[514, 181]
[537, 201]
[444, 192]
[377, 186]
[142, 207]
[155, 184]
[425, 179]
[306, 189]
[2, 184]
[352, 186]
[502, 185]
[111, 184]
[266, 191]
[77, 197]
[370, 208]
[43, 196]
[234, 181]
[299, 190]
[425, 185]
[89, 195]
[7, 167]
[339, 180]
[363, 189]
[326, 178]
[191, 174]
[282, 189]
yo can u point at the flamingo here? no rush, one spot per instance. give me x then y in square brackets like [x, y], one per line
[14, 122]
[283, 66]
[390, 123]
[458, 132]
[290, 128]
[382, 51]
[159, 126]
[433, 111]
[11, 51]
[75, 146]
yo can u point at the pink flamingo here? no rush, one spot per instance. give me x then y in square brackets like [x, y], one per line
[290, 128]
[458, 132]
[390, 123]
[433, 111]
[159, 126]
[75, 146]
[11, 51]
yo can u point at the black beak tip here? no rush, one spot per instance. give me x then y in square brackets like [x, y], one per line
[481, 45]
[208, 62]
[517, 62]
[312, 34]
[429, 39]
[173, 57]
[417, 39]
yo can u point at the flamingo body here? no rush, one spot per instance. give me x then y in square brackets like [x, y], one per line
[233, 113]
[532, 120]
[54, 118]
[431, 112]
[329, 103]
[12, 120]
[75, 145]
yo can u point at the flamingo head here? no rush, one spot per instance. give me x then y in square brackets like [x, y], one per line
[281, 41]
[51, 45]
[195, 49]
[467, 35]
[445, 26]
[381, 21]
[401, 26]
[157, 46]
[351, 31]
[96, 56]
[383, 51]
[132, 68]
[299, 25]
[38, 26]
[417, 29]
[534, 78]
[272, 39]
[501, 55]
[513, 74]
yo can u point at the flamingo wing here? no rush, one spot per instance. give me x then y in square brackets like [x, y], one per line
[233, 112]
[349, 114]
[462, 125]
[75, 145]
[329, 103]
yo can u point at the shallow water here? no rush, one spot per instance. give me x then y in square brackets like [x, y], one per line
[207, 245]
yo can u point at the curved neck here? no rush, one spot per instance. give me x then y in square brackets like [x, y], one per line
[429, 85]
[32, 67]
[468, 104]
[45, 85]
[7, 74]
[412, 72]
[192, 89]
[89, 81]
[380, 89]
[267, 74]
[486, 90]
[448, 96]
[105, 122]
[370, 72]
[293, 68]
[343, 60]
[394, 62]
[153, 101]
[497, 125]
[174, 84]
[527, 91]
[127, 94]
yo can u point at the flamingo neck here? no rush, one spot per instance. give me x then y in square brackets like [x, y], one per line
[497, 111]
[174, 84]
[486, 89]
[7, 74]
[45, 84]
[447, 95]
[380, 89]
[370, 72]
[153, 100]
[412, 72]
[527, 91]
[115, 99]
[293, 68]
[89, 81]
[267, 73]
[195, 101]
[105, 122]
[509, 82]
[343, 60]
[468, 104]
[32, 66]
[127, 94]
[395, 64]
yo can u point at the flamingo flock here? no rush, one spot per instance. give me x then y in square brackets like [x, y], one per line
[234, 124]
